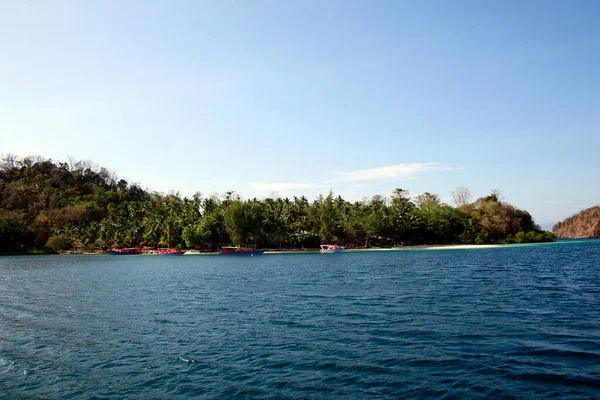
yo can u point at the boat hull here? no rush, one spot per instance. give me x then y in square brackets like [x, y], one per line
[170, 252]
[331, 248]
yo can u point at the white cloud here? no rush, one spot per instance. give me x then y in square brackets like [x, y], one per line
[400, 172]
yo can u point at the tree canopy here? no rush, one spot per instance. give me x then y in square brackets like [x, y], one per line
[79, 204]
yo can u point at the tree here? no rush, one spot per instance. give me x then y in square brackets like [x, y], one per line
[200, 233]
[375, 218]
[301, 222]
[237, 222]
[324, 217]
[461, 196]
[14, 235]
[59, 242]
[427, 200]
[500, 220]
[402, 216]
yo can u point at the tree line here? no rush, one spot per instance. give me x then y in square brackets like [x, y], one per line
[59, 205]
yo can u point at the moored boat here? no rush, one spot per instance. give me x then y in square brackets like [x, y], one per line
[125, 251]
[331, 248]
[240, 251]
[170, 252]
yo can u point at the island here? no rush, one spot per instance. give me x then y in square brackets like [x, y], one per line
[48, 206]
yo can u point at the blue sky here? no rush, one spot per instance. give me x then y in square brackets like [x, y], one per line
[306, 96]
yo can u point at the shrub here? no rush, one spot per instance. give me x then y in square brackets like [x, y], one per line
[549, 237]
[521, 237]
[58, 242]
[482, 238]
[15, 235]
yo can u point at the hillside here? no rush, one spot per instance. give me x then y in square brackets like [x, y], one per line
[584, 224]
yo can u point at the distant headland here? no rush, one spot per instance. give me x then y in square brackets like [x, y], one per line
[584, 224]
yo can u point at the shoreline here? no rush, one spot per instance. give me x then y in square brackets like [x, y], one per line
[387, 249]
[438, 247]
[399, 248]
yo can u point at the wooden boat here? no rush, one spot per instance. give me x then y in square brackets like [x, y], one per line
[331, 248]
[240, 251]
[125, 251]
[170, 252]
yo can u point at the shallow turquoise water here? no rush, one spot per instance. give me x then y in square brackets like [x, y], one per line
[515, 322]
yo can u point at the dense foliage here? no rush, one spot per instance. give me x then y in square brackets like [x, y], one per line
[15, 236]
[584, 224]
[77, 204]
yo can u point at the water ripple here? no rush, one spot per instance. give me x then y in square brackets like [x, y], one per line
[515, 322]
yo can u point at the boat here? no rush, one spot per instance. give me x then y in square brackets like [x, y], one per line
[240, 251]
[331, 248]
[125, 251]
[148, 250]
[170, 252]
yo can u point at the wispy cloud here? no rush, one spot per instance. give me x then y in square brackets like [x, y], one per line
[400, 172]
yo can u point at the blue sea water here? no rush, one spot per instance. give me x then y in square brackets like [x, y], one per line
[511, 322]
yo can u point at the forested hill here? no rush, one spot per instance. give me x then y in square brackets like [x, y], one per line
[584, 224]
[56, 205]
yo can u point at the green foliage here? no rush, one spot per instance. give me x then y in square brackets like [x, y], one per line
[534, 237]
[14, 236]
[482, 238]
[59, 242]
[548, 236]
[521, 237]
[239, 222]
[80, 204]
[202, 232]
[500, 220]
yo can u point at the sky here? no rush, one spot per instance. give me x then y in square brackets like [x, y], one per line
[303, 97]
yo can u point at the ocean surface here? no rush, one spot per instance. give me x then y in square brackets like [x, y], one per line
[510, 322]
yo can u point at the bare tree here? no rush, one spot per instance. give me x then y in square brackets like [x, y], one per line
[88, 164]
[231, 196]
[72, 162]
[110, 177]
[401, 194]
[9, 161]
[427, 199]
[498, 194]
[37, 159]
[461, 196]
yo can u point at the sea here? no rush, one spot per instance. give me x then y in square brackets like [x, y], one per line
[513, 322]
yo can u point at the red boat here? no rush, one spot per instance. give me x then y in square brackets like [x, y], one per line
[331, 248]
[240, 251]
[125, 251]
[148, 249]
[170, 252]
